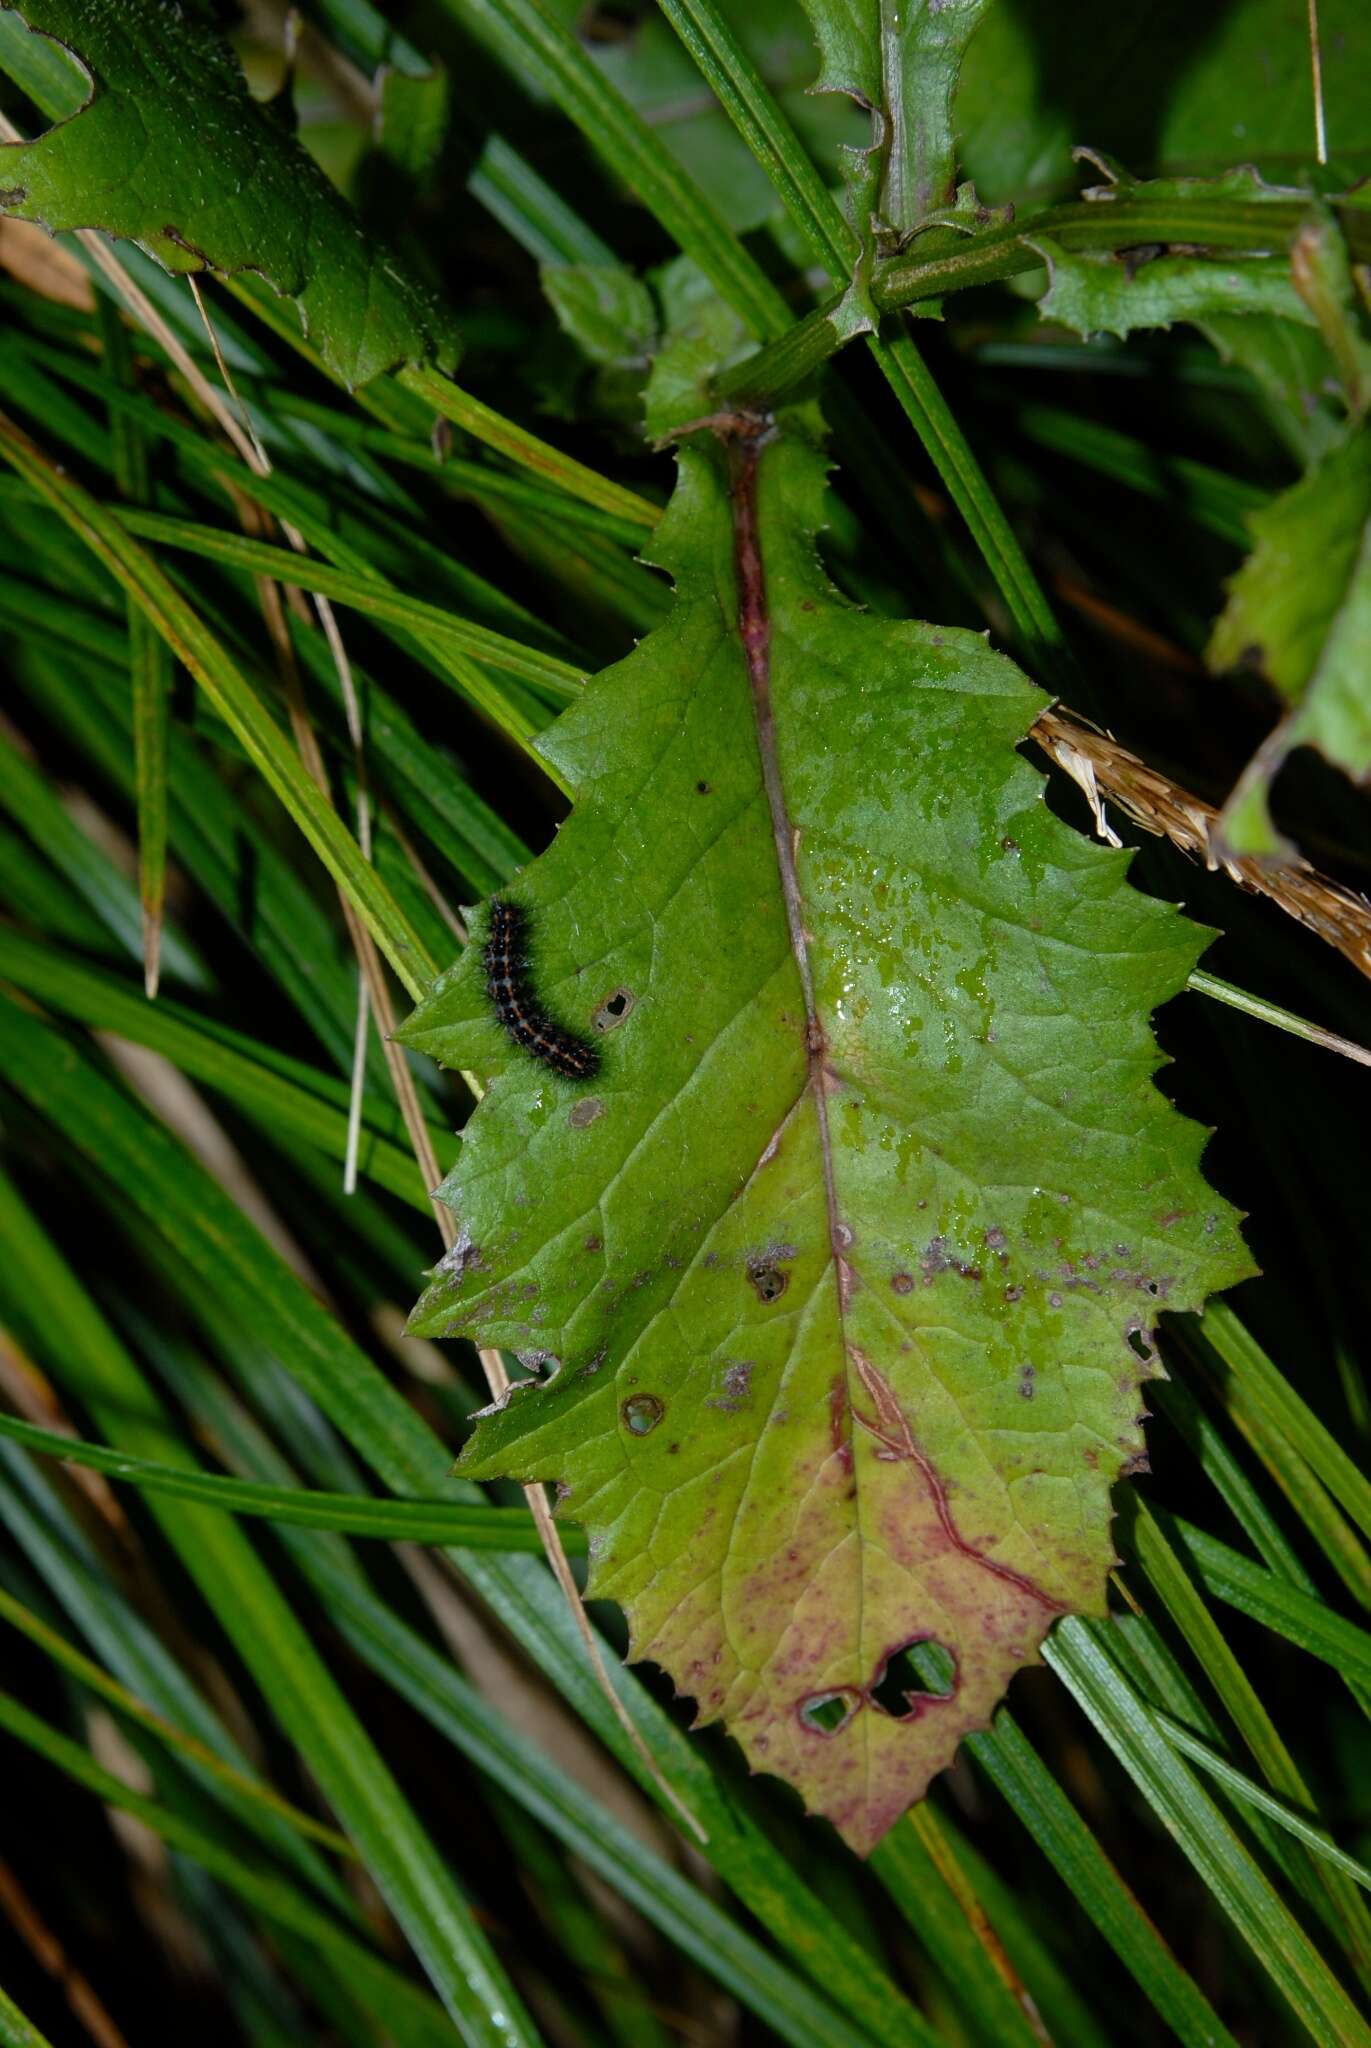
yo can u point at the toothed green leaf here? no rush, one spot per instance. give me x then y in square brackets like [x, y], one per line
[229, 190]
[842, 1264]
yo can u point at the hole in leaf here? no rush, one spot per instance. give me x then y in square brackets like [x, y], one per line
[917, 1672]
[641, 1413]
[770, 1281]
[824, 1713]
[1138, 1339]
[614, 1009]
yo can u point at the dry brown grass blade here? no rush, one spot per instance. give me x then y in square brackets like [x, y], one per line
[84, 2003]
[1100, 767]
[32, 258]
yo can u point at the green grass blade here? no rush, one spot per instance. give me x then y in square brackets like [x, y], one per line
[235, 1284]
[95, 1680]
[261, 1887]
[793, 2008]
[1241, 1786]
[150, 666]
[1014, 1768]
[1274, 1401]
[1075, 1653]
[75, 1581]
[530, 210]
[1220, 1465]
[15, 2030]
[367, 595]
[1166, 1573]
[276, 911]
[919, 1888]
[393, 1521]
[233, 697]
[1302, 1618]
[530, 43]
[30, 801]
[282, 1093]
[483, 1732]
[1058, 1979]
[526, 450]
[302, 1693]
[755, 113]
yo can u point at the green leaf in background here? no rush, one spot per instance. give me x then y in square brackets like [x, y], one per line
[607, 311]
[1162, 84]
[1299, 610]
[230, 191]
[902, 64]
[657, 77]
[844, 1263]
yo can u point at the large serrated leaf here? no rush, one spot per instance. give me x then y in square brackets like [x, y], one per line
[843, 1263]
[229, 190]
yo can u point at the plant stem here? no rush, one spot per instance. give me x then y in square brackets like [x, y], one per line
[1005, 251]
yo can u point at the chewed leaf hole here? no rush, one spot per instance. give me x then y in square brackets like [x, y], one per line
[918, 1672]
[641, 1413]
[770, 1281]
[1138, 1339]
[614, 1009]
[824, 1713]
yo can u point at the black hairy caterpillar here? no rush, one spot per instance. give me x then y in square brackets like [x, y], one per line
[506, 962]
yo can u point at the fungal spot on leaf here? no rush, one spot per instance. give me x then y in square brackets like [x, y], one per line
[1027, 1378]
[641, 1413]
[734, 1387]
[824, 1713]
[614, 1009]
[584, 1113]
[902, 1283]
[919, 1671]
